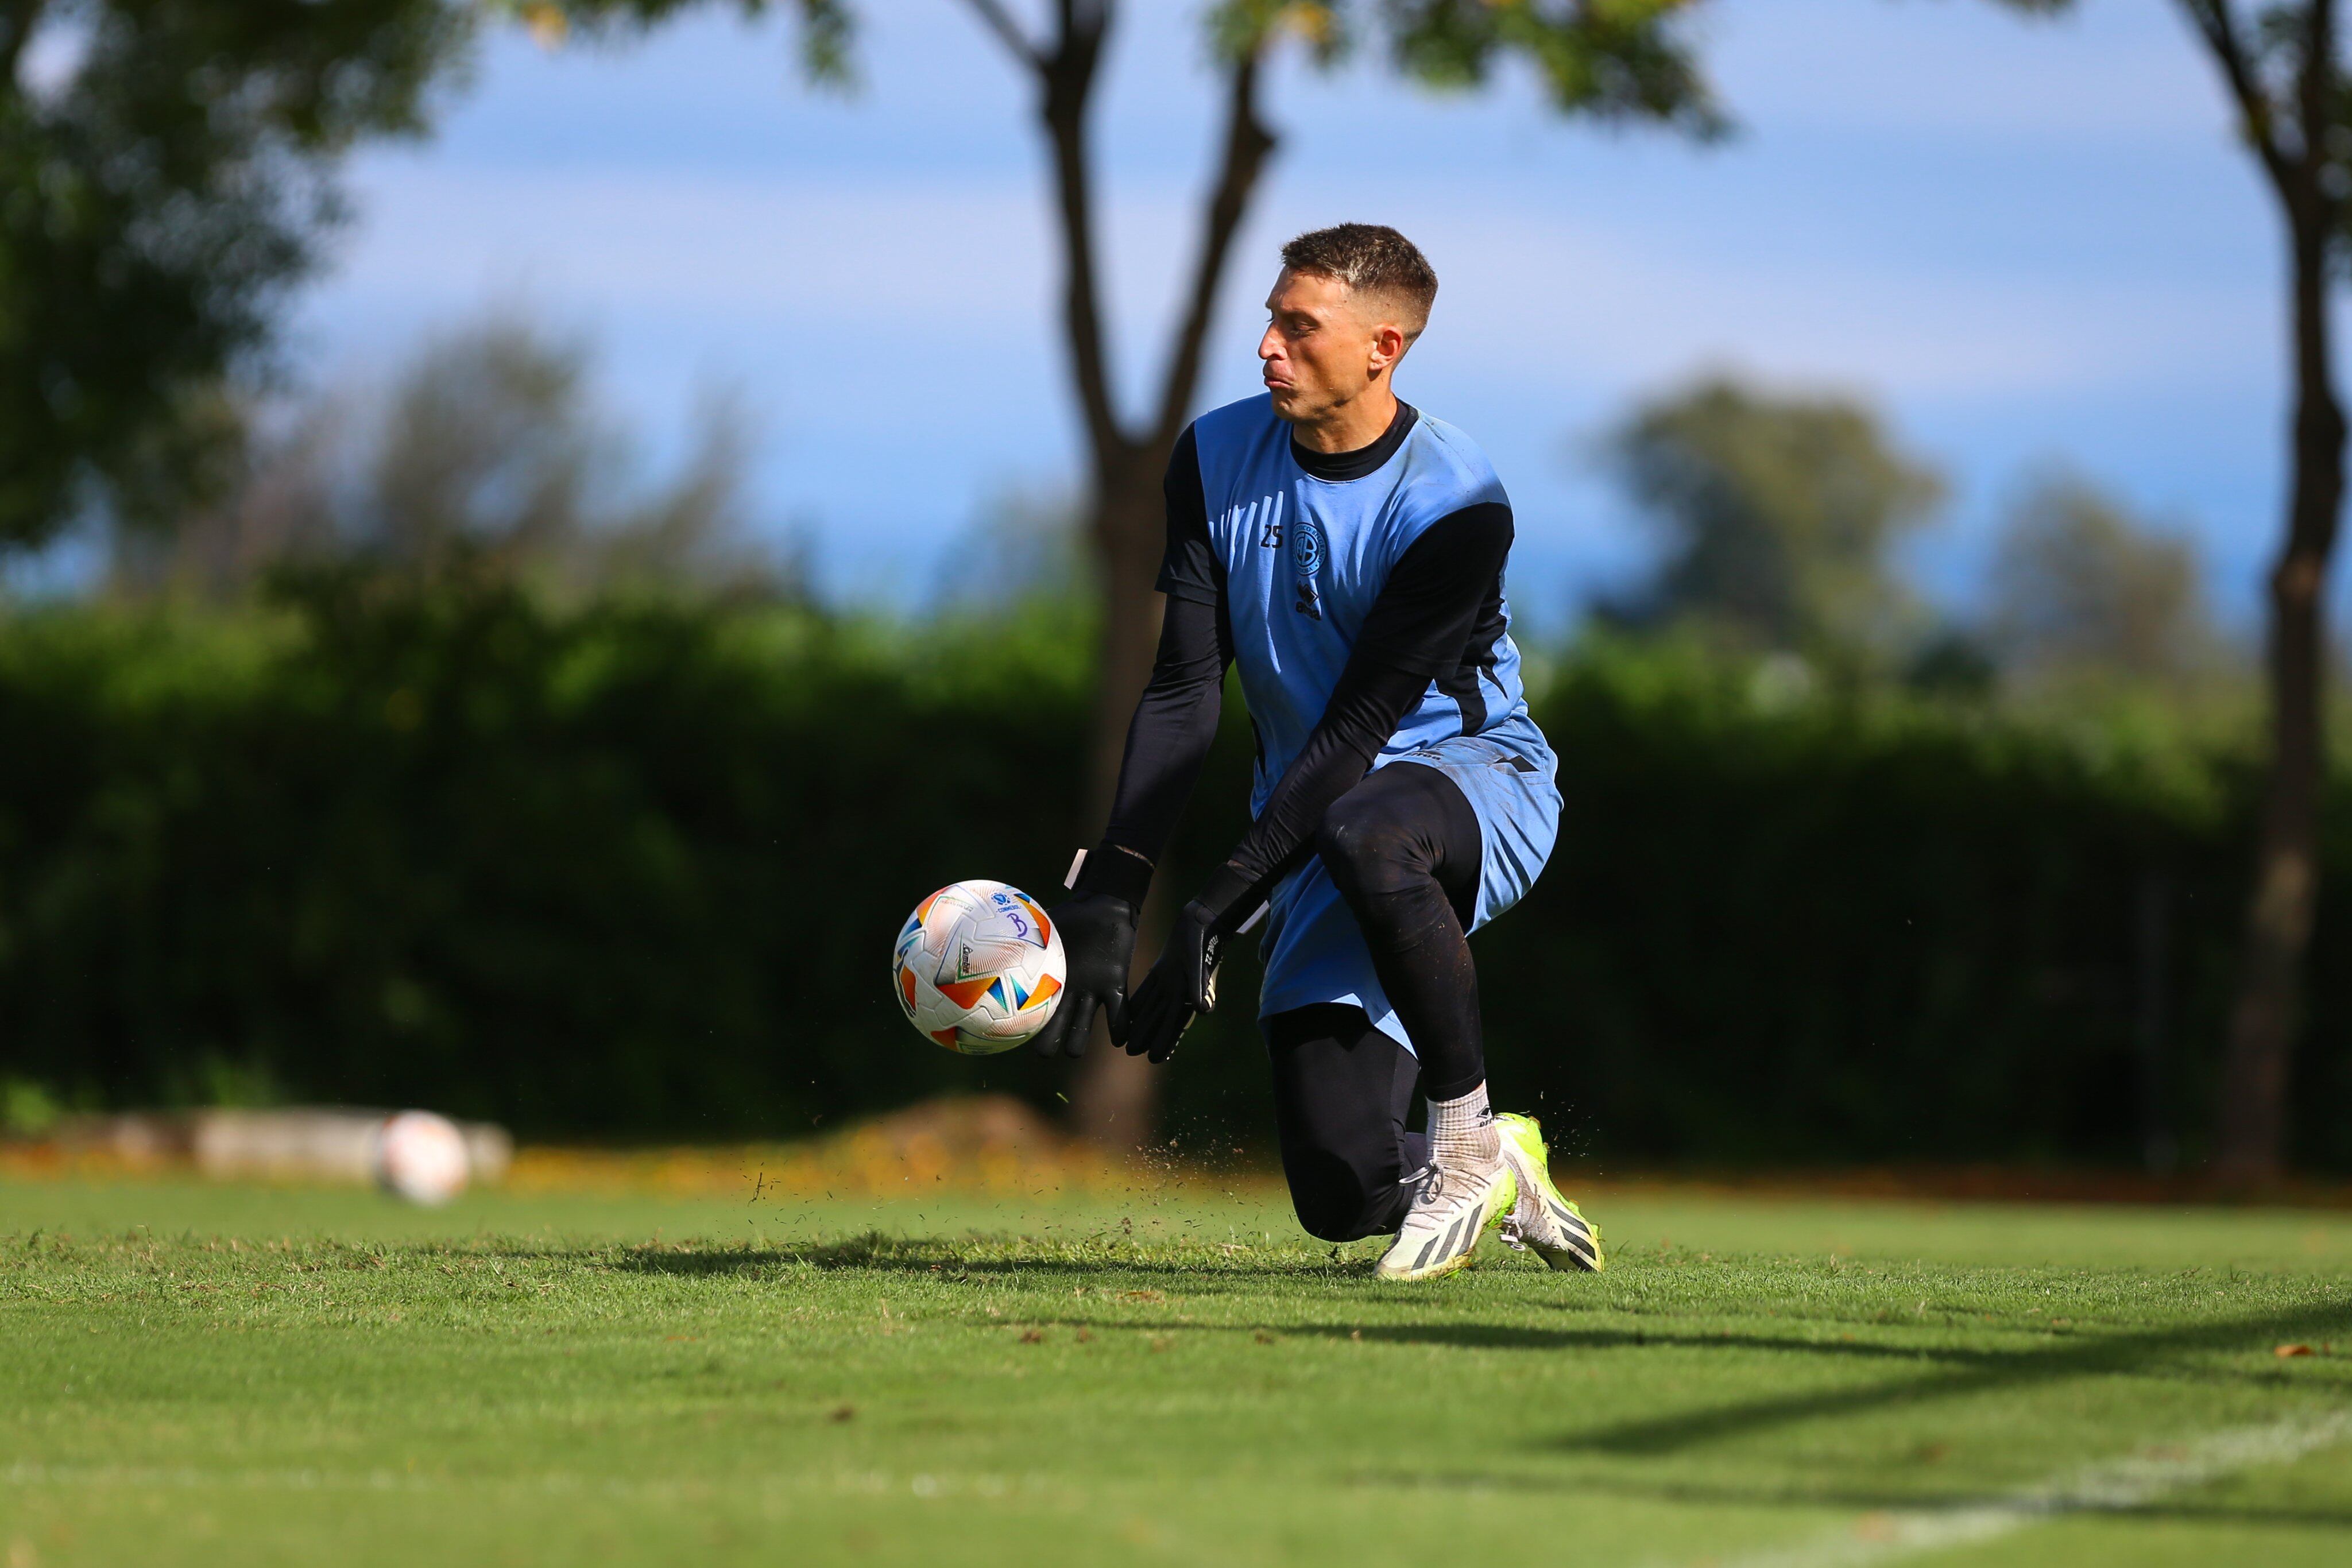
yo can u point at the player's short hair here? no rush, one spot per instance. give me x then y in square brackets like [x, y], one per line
[1370, 258]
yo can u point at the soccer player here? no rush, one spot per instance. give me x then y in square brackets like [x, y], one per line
[1347, 550]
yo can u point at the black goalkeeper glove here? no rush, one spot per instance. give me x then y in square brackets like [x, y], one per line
[1097, 926]
[1184, 984]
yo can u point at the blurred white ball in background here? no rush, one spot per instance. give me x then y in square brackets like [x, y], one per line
[421, 1157]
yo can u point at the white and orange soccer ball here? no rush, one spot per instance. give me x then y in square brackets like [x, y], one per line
[979, 967]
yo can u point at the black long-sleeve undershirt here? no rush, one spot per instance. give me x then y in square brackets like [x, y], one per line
[1175, 724]
[1418, 629]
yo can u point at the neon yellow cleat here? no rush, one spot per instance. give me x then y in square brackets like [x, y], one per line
[1544, 1220]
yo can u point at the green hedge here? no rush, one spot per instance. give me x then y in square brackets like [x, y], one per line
[633, 869]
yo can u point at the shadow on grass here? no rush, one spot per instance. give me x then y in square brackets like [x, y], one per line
[1503, 1336]
[1498, 1336]
[877, 1253]
[1977, 1371]
[1942, 1372]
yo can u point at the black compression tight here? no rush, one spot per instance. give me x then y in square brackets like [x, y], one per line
[1404, 848]
[1342, 1090]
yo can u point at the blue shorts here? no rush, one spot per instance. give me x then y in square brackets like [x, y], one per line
[1313, 951]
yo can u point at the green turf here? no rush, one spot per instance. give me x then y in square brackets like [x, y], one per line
[209, 1374]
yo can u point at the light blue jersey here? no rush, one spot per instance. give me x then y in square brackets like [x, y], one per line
[1302, 558]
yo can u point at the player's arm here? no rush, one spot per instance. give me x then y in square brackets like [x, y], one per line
[1169, 738]
[1416, 631]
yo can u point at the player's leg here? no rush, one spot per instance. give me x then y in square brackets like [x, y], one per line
[1342, 1090]
[1405, 849]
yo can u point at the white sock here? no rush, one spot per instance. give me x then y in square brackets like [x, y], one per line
[1462, 1132]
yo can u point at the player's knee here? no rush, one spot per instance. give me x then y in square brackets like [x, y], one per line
[1332, 1204]
[1363, 849]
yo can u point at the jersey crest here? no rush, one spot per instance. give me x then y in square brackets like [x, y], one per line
[1306, 561]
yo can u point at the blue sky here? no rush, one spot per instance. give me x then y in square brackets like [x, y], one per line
[2028, 242]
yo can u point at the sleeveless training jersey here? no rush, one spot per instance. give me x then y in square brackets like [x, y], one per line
[1295, 549]
[1303, 559]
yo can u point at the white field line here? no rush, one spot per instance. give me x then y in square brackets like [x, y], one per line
[2112, 1485]
[1873, 1538]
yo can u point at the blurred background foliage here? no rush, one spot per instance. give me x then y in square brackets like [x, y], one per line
[1778, 516]
[167, 174]
[420, 742]
[451, 756]
[486, 456]
[628, 867]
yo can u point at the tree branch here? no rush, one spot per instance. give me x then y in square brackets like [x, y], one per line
[1069, 74]
[2217, 24]
[1247, 145]
[2313, 93]
[999, 21]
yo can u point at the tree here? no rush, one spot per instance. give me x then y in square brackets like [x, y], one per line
[1625, 61]
[489, 459]
[166, 174]
[2082, 591]
[1777, 514]
[2279, 62]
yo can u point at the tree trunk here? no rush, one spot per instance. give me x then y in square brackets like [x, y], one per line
[1113, 1095]
[2266, 1018]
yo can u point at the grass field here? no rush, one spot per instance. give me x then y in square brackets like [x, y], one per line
[208, 1375]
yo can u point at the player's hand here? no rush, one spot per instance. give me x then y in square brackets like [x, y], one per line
[1181, 986]
[1098, 944]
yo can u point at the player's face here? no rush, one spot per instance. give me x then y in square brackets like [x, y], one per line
[1322, 345]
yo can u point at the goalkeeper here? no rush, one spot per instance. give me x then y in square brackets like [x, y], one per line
[1348, 552]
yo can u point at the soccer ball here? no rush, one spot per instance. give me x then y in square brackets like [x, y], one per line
[421, 1157]
[979, 967]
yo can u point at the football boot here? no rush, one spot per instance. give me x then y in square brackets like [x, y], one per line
[1544, 1221]
[1452, 1208]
